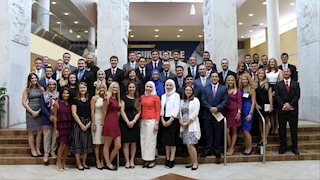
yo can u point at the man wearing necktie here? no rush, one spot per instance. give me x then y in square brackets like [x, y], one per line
[142, 72]
[178, 62]
[225, 72]
[285, 64]
[166, 74]
[132, 64]
[48, 75]
[155, 61]
[193, 67]
[116, 73]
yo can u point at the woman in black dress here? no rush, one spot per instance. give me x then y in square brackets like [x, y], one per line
[129, 123]
[131, 77]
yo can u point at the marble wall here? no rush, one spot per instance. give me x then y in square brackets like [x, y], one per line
[220, 25]
[113, 31]
[308, 27]
[15, 28]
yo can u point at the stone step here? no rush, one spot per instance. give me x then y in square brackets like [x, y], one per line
[5, 132]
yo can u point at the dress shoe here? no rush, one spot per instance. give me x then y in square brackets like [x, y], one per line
[80, 169]
[86, 167]
[167, 164]
[195, 168]
[205, 154]
[247, 154]
[282, 150]
[100, 168]
[113, 168]
[34, 155]
[189, 166]
[171, 164]
[295, 151]
[151, 165]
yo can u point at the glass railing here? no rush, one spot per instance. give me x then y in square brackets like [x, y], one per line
[53, 28]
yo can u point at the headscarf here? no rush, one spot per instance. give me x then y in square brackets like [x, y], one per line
[99, 81]
[173, 89]
[51, 97]
[158, 84]
[153, 88]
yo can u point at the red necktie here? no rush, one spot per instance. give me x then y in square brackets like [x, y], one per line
[287, 85]
[254, 76]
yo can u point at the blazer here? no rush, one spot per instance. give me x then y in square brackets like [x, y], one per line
[150, 65]
[140, 77]
[93, 70]
[197, 73]
[89, 79]
[222, 81]
[194, 108]
[283, 96]
[41, 74]
[214, 66]
[170, 76]
[198, 83]
[208, 101]
[293, 70]
[127, 67]
[170, 105]
[72, 68]
[118, 77]
[43, 83]
[180, 63]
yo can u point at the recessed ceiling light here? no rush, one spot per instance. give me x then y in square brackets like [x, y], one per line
[78, 36]
[156, 35]
[261, 24]
[242, 36]
[58, 22]
[132, 36]
[66, 13]
[240, 23]
[250, 31]
[292, 4]
[156, 30]
[76, 22]
[130, 30]
[178, 36]
[180, 30]
[53, 2]
[70, 30]
[86, 31]
[200, 36]
[250, 14]
[264, 3]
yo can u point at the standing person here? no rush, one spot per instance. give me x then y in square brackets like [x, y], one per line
[178, 62]
[193, 67]
[47, 103]
[155, 63]
[150, 116]
[247, 61]
[39, 71]
[285, 64]
[264, 60]
[189, 124]
[111, 128]
[132, 63]
[248, 103]
[57, 72]
[129, 123]
[91, 66]
[101, 78]
[48, 71]
[63, 81]
[81, 133]
[233, 112]
[142, 72]
[206, 57]
[63, 124]
[225, 71]
[241, 69]
[131, 76]
[169, 114]
[179, 79]
[288, 95]
[66, 59]
[159, 88]
[72, 85]
[116, 73]
[97, 117]
[31, 102]
[264, 98]
[166, 74]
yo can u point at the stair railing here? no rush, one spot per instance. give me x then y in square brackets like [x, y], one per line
[263, 136]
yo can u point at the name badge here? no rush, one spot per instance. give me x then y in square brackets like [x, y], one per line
[245, 95]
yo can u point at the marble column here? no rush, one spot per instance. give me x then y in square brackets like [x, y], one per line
[92, 40]
[220, 31]
[43, 14]
[113, 30]
[273, 29]
[308, 30]
[15, 29]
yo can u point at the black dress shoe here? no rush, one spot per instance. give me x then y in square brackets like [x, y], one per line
[218, 156]
[282, 150]
[113, 168]
[205, 154]
[171, 164]
[80, 169]
[101, 168]
[167, 164]
[189, 166]
[195, 168]
[295, 151]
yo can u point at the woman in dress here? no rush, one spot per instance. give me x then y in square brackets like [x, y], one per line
[49, 137]
[63, 124]
[241, 69]
[72, 85]
[97, 118]
[111, 129]
[150, 117]
[131, 77]
[169, 114]
[63, 81]
[189, 124]
[31, 102]
[130, 124]
[248, 103]
[81, 132]
[155, 73]
[264, 98]
[233, 112]
[274, 75]
[101, 78]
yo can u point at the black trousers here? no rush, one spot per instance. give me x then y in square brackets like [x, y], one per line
[292, 118]
[213, 130]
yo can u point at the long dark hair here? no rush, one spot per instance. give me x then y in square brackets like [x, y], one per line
[29, 85]
[137, 103]
[184, 96]
[127, 80]
[65, 89]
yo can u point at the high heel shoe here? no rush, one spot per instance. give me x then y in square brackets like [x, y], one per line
[151, 165]
[34, 155]
[194, 168]
[113, 168]
[245, 153]
[189, 166]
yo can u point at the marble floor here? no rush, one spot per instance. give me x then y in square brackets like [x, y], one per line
[270, 170]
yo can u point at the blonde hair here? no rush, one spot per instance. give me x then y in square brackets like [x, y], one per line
[248, 89]
[109, 92]
[234, 82]
[62, 80]
[264, 82]
[98, 87]
[276, 68]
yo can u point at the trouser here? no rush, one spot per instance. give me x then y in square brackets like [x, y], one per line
[213, 130]
[49, 140]
[148, 139]
[292, 118]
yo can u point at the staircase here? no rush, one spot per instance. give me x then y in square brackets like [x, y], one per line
[14, 149]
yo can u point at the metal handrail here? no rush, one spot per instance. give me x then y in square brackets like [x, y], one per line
[225, 142]
[263, 136]
[8, 107]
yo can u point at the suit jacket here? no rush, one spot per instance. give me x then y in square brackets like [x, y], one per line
[140, 77]
[43, 83]
[208, 100]
[42, 75]
[178, 88]
[222, 81]
[93, 70]
[283, 96]
[150, 66]
[127, 67]
[119, 75]
[180, 63]
[293, 70]
[197, 73]
[214, 66]
[72, 68]
[88, 78]
[170, 76]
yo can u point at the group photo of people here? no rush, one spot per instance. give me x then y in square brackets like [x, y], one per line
[161, 105]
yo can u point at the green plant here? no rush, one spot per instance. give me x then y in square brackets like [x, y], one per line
[3, 91]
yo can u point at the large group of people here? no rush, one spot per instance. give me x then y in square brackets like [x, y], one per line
[162, 103]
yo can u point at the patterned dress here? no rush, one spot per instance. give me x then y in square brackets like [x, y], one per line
[187, 136]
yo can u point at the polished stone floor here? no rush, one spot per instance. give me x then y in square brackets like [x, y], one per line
[270, 170]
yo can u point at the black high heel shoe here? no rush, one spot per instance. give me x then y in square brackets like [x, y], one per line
[114, 168]
[195, 168]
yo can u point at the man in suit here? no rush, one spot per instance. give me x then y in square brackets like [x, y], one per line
[247, 61]
[165, 56]
[177, 62]
[142, 72]
[91, 67]
[38, 71]
[193, 67]
[132, 64]
[255, 58]
[209, 65]
[179, 80]
[254, 74]
[45, 62]
[83, 75]
[285, 64]
[206, 57]
[155, 63]
[214, 98]
[288, 95]
[225, 72]
[66, 59]
[166, 73]
[58, 70]
[114, 72]
[48, 75]
[264, 65]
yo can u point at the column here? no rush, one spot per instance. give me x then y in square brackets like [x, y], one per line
[15, 21]
[220, 31]
[92, 40]
[308, 23]
[273, 29]
[43, 14]
[113, 30]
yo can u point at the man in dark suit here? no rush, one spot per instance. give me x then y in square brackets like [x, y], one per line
[91, 67]
[214, 99]
[114, 72]
[132, 64]
[57, 72]
[264, 61]
[247, 62]
[83, 75]
[142, 72]
[179, 79]
[288, 95]
[225, 72]
[206, 57]
[285, 64]
[48, 71]
[66, 59]
[155, 63]
[193, 67]
[166, 73]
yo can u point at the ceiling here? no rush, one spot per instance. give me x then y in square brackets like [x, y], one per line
[168, 18]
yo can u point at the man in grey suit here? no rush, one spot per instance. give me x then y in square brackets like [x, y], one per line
[38, 71]
[177, 62]
[132, 64]
[166, 74]
[66, 59]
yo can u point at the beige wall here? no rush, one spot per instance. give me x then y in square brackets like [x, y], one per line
[288, 44]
